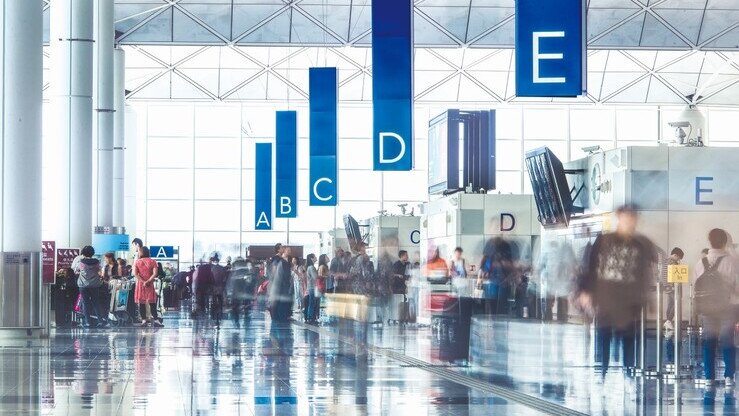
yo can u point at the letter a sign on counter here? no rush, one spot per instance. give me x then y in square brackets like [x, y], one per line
[550, 48]
[263, 187]
[392, 84]
[286, 176]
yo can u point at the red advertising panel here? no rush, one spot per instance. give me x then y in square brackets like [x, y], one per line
[48, 248]
[65, 257]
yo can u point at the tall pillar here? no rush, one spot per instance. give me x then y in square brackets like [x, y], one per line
[20, 162]
[71, 41]
[119, 138]
[103, 100]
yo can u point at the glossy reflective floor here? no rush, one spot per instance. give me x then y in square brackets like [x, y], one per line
[259, 369]
[266, 369]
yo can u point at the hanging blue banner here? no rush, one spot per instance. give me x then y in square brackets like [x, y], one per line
[550, 48]
[286, 169]
[263, 187]
[392, 84]
[323, 102]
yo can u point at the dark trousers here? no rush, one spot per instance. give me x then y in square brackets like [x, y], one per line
[91, 297]
[718, 332]
[625, 337]
[281, 311]
[152, 307]
[312, 309]
[670, 313]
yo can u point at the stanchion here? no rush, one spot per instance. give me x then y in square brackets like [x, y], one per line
[657, 372]
[642, 341]
[677, 367]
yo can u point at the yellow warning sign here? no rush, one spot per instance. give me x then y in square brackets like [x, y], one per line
[677, 273]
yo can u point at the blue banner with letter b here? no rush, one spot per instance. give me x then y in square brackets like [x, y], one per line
[286, 155]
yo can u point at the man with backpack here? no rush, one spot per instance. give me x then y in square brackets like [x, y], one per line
[717, 304]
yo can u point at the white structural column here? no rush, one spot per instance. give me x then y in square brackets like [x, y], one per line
[71, 41]
[119, 138]
[21, 68]
[103, 99]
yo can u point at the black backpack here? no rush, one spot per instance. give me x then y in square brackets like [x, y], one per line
[712, 291]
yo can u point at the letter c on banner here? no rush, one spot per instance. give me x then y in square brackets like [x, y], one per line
[400, 140]
[286, 205]
[415, 237]
[315, 189]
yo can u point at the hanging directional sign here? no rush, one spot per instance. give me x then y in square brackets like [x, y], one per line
[323, 102]
[550, 48]
[286, 169]
[392, 84]
[263, 187]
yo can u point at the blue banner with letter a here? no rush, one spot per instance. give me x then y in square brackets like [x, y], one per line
[263, 187]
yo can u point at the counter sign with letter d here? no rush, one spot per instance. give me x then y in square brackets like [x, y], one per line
[550, 48]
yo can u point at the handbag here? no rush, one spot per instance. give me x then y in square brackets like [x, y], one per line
[78, 304]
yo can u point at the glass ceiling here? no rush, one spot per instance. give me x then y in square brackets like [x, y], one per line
[612, 24]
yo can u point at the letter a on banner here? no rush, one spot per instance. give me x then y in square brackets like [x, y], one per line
[286, 171]
[323, 102]
[263, 187]
[392, 84]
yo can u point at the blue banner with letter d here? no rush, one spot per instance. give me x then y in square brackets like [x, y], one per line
[392, 84]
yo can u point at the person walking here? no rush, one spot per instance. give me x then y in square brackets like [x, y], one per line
[310, 288]
[717, 303]
[615, 287]
[91, 284]
[676, 256]
[145, 271]
[281, 288]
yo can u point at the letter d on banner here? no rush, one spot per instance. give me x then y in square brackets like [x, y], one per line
[263, 187]
[392, 84]
[323, 102]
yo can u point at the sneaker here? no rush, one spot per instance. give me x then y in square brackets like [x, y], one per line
[668, 326]
[157, 324]
[729, 381]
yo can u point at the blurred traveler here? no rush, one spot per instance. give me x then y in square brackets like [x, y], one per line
[337, 269]
[458, 265]
[400, 274]
[281, 288]
[90, 285]
[299, 281]
[110, 268]
[311, 278]
[557, 270]
[436, 268]
[323, 274]
[497, 274]
[676, 256]
[145, 270]
[615, 286]
[717, 303]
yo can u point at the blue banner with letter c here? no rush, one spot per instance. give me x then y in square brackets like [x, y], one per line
[323, 93]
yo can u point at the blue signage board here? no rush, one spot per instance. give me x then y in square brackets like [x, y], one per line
[550, 48]
[263, 187]
[286, 169]
[162, 252]
[392, 84]
[323, 104]
[104, 243]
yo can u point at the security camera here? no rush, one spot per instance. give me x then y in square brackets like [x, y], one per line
[679, 124]
[591, 149]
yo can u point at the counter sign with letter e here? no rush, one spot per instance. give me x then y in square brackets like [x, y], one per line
[551, 48]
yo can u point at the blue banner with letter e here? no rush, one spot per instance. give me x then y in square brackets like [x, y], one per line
[550, 48]
[263, 187]
[323, 102]
[392, 84]
[286, 169]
